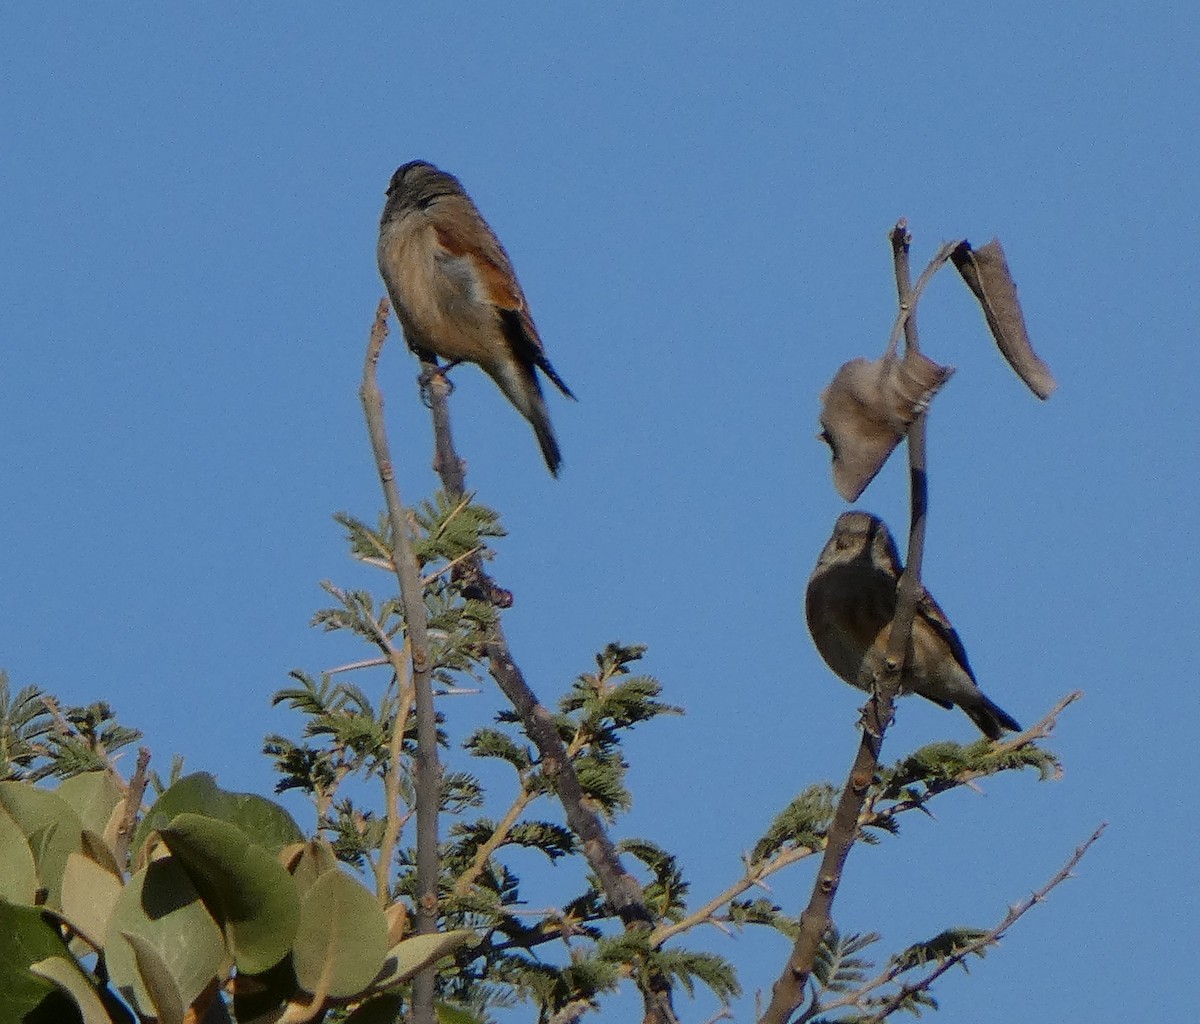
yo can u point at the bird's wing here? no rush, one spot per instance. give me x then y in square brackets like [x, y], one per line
[933, 614]
[497, 280]
[473, 241]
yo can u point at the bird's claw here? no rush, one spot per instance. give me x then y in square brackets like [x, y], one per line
[435, 377]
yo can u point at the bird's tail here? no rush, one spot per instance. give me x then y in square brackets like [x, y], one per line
[545, 437]
[520, 385]
[992, 719]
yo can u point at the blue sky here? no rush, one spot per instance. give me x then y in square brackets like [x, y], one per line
[696, 198]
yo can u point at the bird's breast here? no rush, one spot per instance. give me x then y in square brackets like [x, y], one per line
[436, 295]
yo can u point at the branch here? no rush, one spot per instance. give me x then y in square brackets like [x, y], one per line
[133, 804]
[1040, 730]
[755, 875]
[494, 841]
[428, 772]
[405, 694]
[620, 888]
[908, 304]
[788, 991]
[871, 816]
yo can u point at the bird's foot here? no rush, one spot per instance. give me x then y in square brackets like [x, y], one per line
[435, 377]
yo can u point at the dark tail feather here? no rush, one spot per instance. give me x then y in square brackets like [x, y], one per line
[545, 437]
[543, 364]
[991, 718]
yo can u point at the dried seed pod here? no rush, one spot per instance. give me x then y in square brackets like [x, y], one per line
[867, 409]
[986, 273]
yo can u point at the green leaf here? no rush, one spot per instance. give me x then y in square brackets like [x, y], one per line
[315, 859]
[384, 1009]
[447, 1014]
[836, 967]
[262, 820]
[18, 873]
[941, 946]
[242, 885]
[493, 743]
[342, 939]
[156, 976]
[686, 965]
[27, 937]
[162, 908]
[93, 796]
[410, 956]
[51, 828]
[66, 976]
[802, 823]
[89, 895]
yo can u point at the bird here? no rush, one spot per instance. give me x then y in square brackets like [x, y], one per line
[849, 604]
[456, 294]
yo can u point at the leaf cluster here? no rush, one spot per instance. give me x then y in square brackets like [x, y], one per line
[41, 739]
[221, 909]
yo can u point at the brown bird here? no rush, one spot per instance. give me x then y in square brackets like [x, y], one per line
[849, 605]
[456, 294]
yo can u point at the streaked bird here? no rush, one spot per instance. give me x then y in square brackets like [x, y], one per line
[849, 605]
[456, 294]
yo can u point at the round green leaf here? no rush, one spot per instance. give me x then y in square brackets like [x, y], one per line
[67, 977]
[18, 873]
[51, 828]
[342, 938]
[243, 886]
[384, 1009]
[159, 982]
[26, 938]
[161, 906]
[263, 821]
[89, 894]
[408, 957]
[315, 859]
[93, 796]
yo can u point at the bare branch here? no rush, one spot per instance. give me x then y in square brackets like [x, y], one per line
[494, 841]
[133, 804]
[908, 304]
[428, 772]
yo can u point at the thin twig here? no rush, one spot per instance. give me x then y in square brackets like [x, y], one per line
[355, 666]
[428, 772]
[757, 874]
[393, 820]
[494, 841]
[908, 306]
[133, 803]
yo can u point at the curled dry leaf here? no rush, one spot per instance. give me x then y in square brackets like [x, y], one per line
[986, 273]
[867, 409]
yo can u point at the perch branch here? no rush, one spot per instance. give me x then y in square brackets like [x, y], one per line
[428, 773]
[788, 992]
